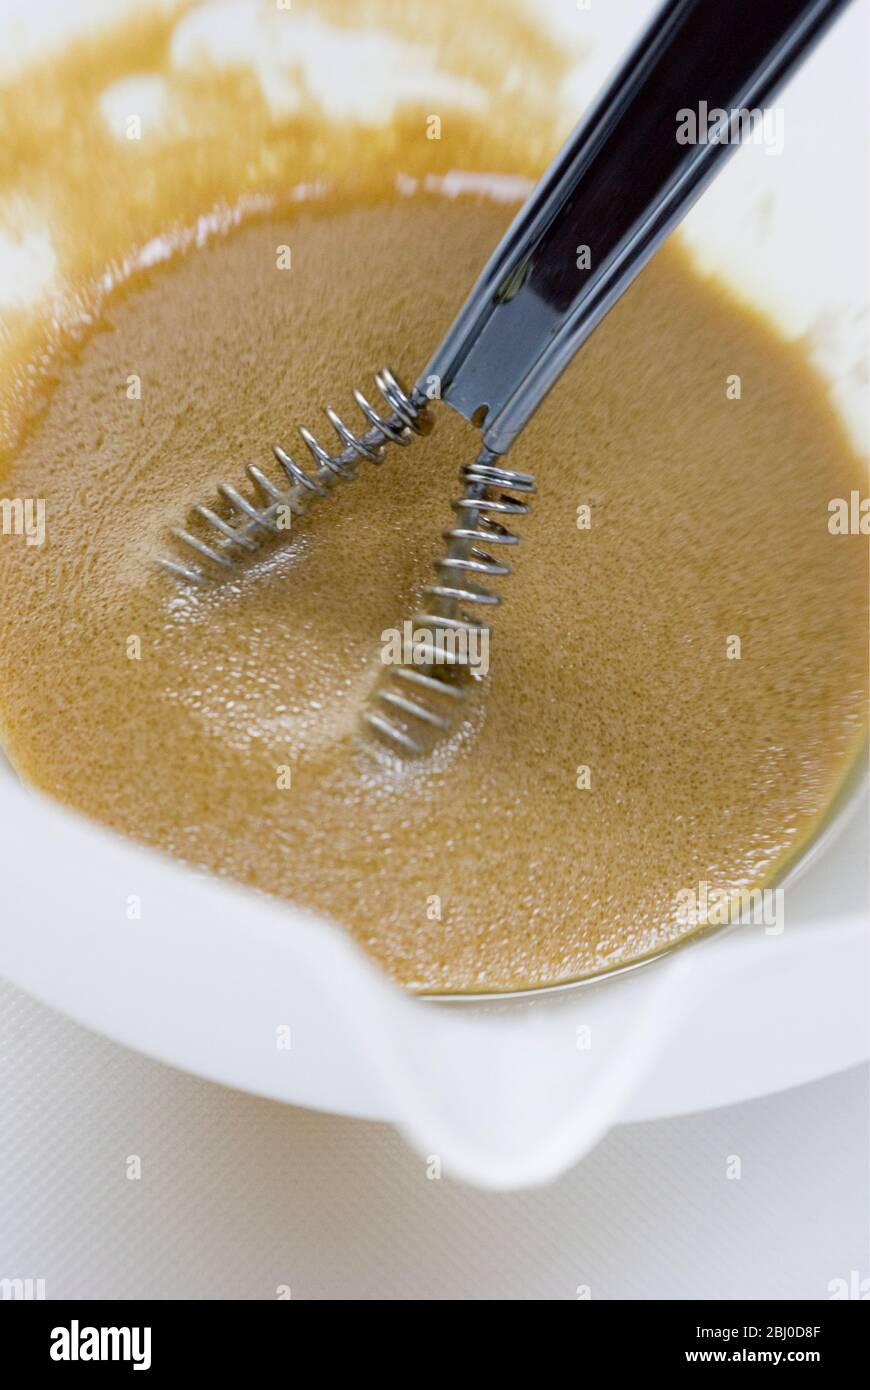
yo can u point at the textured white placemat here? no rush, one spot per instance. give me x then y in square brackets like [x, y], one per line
[239, 1196]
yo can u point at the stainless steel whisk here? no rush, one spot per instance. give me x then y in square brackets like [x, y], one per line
[227, 539]
[617, 188]
[412, 702]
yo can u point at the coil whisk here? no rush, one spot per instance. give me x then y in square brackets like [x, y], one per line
[419, 697]
[224, 540]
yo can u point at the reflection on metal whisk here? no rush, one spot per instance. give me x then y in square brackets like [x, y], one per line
[247, 523]
[413, 701]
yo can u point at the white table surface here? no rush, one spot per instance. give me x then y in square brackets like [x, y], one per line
[240, 1195]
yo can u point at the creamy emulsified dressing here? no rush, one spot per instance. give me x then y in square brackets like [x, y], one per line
[174, 714]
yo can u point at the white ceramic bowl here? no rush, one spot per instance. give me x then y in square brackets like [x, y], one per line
[217, 980]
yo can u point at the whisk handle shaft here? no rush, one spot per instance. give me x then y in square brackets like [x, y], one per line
[627, 175]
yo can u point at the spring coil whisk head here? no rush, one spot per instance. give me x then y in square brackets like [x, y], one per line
[224, 540]
[418, 699]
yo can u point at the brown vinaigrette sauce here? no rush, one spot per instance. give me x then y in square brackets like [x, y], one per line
[616, 755]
